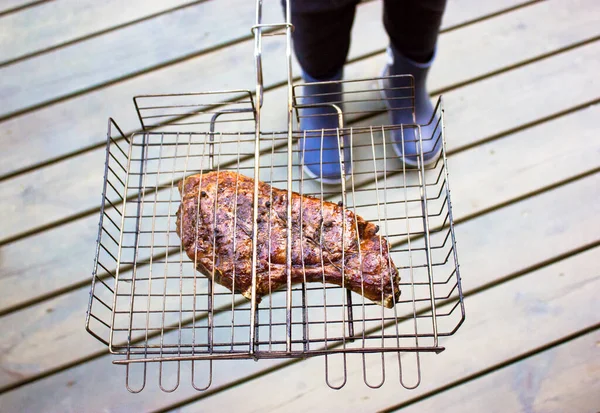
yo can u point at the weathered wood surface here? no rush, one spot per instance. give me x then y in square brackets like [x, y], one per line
[79, 191]
[92, 109]
[66, 21]
[507, 320]
[115, 55]
[525, 196]
[539, 225]
[13, 6]
[479, 98]
[556, 161]
[565, 378]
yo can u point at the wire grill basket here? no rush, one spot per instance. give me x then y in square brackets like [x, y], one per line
[148, 303]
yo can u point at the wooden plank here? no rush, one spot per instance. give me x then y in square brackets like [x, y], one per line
[505, 321]
[567, 307]
[563, 378]
[548, 78]
[35, 270]
[557, 160]
[133, 49]
[65, 21]
[79, 191]
[80, 122]
[11, 6]
[70, 263]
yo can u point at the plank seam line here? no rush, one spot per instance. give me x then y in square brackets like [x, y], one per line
[494, 14]
[473, 292]
[91, 211]
[518, 65]
[495, 367]
[528, 125]
[193, 55]
[480, 289]
[96, 34]
[454, 86]
[23, 7]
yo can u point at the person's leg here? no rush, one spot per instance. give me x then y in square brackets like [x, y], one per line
[321, 43]
[413, 27]
[322, 38]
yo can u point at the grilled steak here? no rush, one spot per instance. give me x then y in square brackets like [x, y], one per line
[214, 222]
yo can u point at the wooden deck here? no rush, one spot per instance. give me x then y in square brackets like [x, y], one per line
[521, 88]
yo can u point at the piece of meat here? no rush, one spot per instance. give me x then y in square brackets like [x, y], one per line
[210, 209]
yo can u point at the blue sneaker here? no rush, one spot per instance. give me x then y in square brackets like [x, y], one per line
[397, 101]
[319, 146]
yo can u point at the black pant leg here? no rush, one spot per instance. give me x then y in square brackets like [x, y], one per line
[413, 26]
[322, 39]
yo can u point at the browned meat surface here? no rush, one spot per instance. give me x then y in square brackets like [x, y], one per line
[209, 211]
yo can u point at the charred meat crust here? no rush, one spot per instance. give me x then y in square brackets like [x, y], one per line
[329, 242]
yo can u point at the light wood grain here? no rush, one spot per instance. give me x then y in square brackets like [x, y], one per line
[64, 21]
[563, 378]
[80, 122]
[557, 159]
[70, 263]
[132, 49]
[562, 81]
[47, 262]
[553, 301]
[547, 77]
[541, 226]
[13, 5]
[502, 322]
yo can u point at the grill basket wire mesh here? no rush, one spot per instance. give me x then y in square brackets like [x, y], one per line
[149, 304]
[162, 318]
